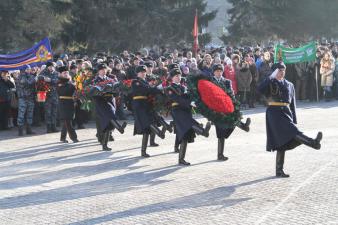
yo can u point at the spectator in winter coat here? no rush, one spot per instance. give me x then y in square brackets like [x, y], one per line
[244, 79]
[327, 66]
[5, 86]
[229, 73]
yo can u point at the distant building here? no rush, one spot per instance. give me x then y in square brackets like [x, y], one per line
[217, 27]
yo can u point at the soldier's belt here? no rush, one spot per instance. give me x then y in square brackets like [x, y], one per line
[66, 97]
[278, 104]
[174, 104]
[139, 97]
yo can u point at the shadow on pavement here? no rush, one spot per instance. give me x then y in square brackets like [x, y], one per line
[215, 197]
[117, 184]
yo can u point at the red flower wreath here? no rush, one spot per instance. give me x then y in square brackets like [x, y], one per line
[215, 97]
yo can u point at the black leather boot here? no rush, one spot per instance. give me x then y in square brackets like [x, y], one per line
[63, 140]
[280, 164]
[181, 156]
[152, 140]
[119, 127]
[313, 143]
[245, 126]
[220, 149]
[105, 138]
[154, 129]
[202, 131]
[29, 129]
[144, 146]
[20, 130]
[164, 124]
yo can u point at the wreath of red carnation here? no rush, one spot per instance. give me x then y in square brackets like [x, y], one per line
[215, 101]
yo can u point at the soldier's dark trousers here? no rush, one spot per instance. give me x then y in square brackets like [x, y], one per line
[67, 127]
[25, 107]
[80, 115]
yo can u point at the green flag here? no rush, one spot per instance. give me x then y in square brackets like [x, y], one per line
[305, 53]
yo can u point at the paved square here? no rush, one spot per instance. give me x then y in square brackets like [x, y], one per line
[45, 182]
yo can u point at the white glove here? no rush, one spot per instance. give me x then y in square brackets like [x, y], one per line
[274, 74]
[193, 104]
[47, 79]
[159, 87]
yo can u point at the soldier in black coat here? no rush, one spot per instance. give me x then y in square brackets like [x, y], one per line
[221, 132]
[105, 108]
[282, 133]
[145, 121]
[185, 126]
[66, 90]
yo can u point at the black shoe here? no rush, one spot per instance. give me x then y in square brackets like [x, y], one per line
[183, 162]
[63, 140]
[111, 138]
[105, 148]
[281, 174]
[317, 144]
[145, 155]
[245, 126]
[222, 158]
[207, 129]
[75, 141]
[319, 137]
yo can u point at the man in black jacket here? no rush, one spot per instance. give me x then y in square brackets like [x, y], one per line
[5, 87]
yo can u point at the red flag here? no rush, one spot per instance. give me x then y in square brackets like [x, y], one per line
[195, 34]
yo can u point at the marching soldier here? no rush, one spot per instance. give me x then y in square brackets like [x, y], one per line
[66, 90]
[185, 126]
[25, 88]
[221, 132]
[159, 120]
[143, 112]
[105, 108]
[51, 105]
[282, 132]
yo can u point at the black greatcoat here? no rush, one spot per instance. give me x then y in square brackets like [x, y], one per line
[220, 131]
[142, 108]
[181, 113]
[280, 120]
[66, 106]
[104, 107]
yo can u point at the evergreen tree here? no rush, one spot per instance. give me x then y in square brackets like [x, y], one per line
[295, 21]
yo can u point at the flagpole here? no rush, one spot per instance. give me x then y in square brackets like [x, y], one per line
[195, 34]
[317, 82]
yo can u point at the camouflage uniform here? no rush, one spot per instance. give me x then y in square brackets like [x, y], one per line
[51, 104]
[25, 87]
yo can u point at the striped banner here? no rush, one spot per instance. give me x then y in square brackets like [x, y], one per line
[38, 55]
